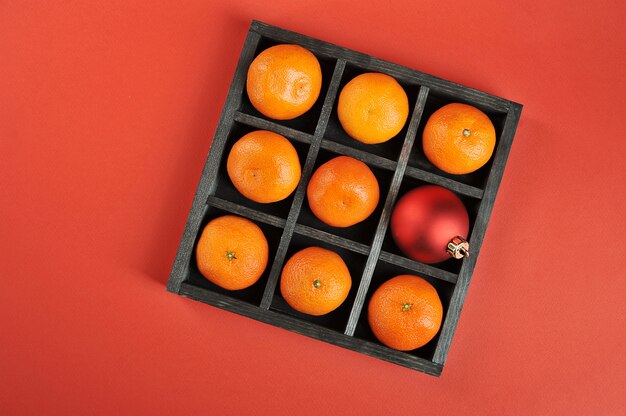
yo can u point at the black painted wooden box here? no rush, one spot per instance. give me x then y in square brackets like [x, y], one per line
[367, 248]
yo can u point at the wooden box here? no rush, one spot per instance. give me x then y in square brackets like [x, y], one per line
[367, 248]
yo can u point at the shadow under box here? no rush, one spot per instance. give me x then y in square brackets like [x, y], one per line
[471, 204]
[337, 319]
[226, 190]
[418, 159]
[307, 122]
[389, 149]
[382, 273]
[362, 232]
[252, 294]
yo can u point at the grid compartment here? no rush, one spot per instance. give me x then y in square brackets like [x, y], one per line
[338, 318]
[251, 294]
[417, 159]
[227, 191]
[362, 232]
[390, 149]
[308, 121]
[450, 265]
[385, 271]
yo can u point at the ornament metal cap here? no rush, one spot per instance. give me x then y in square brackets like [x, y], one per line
[458, 247]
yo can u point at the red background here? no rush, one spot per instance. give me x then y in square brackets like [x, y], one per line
[106, 116]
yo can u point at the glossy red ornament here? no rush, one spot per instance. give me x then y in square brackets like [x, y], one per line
[426, 220]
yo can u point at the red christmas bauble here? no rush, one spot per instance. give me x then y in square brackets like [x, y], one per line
[425, 220]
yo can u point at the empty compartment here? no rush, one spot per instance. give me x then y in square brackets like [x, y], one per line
[307, 121]
[362, 232]
[338, 318]
[252, 294]
[389, 149]
[471, 204]
[418, 159]
[226, 190]
[382, 273]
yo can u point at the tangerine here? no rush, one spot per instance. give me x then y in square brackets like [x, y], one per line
[264, 166]
[373, 108]
[405, 312]
[284, 81]
[232, 252]
[343, 192]
[459, 138]
[315, 281]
